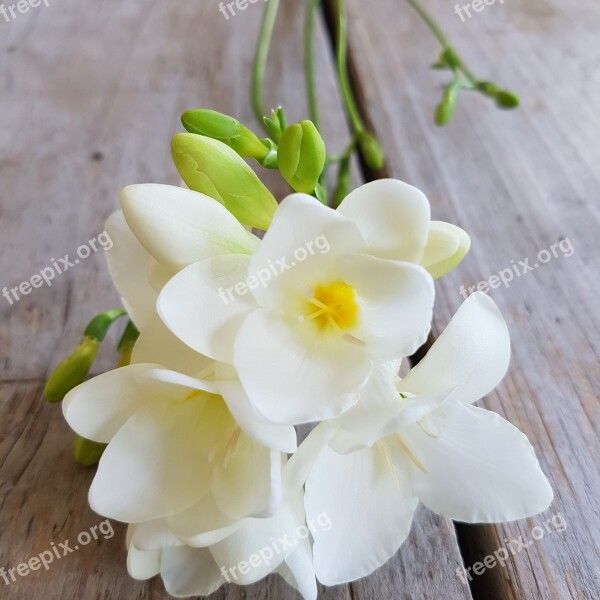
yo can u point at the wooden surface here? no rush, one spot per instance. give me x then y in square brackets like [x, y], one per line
[92, 92]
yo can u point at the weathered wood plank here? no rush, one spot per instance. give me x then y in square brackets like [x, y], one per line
[517, 183]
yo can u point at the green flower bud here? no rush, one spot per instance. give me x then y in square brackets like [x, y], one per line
[88, 453]
[450, 58]
[72, 371]
[507, 100]
[277, 124]
[371, 150]
[226, 129]
[445, 109]
[301, 156]
[213, 168]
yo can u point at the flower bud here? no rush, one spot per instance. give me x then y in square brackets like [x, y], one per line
[213, 168]
[75, 368]
[445, 109]
[277, 124]
[507, 100]
[226, 129]
[88, 453]
[446, 246]
[450, 58]
[371, 150]
[72, 371]
[302, 156]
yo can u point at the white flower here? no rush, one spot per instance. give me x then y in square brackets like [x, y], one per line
[420, 438]
[305, 344]
[139, 278]
[243, 554]
[172, 443]
[140, 269]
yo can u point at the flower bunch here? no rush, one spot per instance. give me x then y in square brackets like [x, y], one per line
[243, 338]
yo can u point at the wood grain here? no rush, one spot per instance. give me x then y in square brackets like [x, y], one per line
[517, 183]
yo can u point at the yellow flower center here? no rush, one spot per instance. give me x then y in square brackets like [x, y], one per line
[333, 305]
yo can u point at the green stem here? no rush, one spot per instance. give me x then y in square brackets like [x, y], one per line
[309, 62]
[99, 326]
[441, 37]
[341, 53]
[334, 158]
[260, 59]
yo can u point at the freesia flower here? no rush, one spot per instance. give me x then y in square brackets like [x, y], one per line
[172, 443]
[139, 278]
[245, 553]
[420, 438]
[140, 270]
[305, 344]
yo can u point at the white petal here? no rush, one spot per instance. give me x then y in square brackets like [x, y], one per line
[155, 466]
[479, 467]
[381, 411]
[143, 565]
[473, 352]
[392, 216]
[446, 246]
[190, 572]
[271, 435]
[158, 345]
[179, 227]
[369, 504]
[97, 408]
[153, 535]
[396, 304]
[299, 572]
[378, 400]
[300, 464]
[203, 524]
[129, 266]
[293, 375]
[248, 482]
[261, 544]
[300, 249]
[197, 307]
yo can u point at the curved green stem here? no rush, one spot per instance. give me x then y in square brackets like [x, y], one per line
[260, 59]
[99, 325]
[441, 37]
[341, 54]
[309, 62]
[334, 158]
